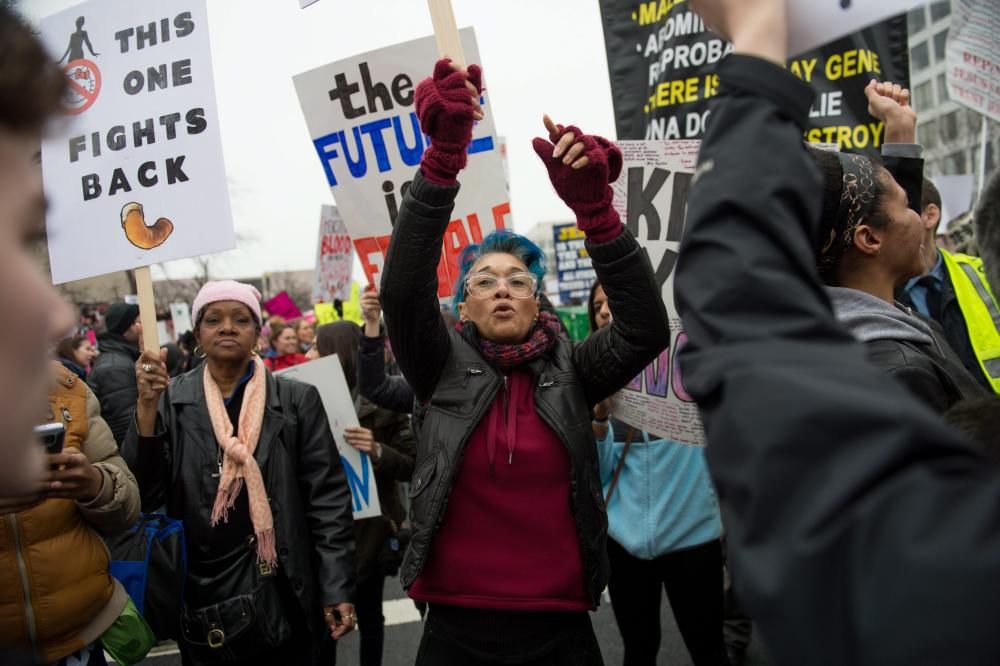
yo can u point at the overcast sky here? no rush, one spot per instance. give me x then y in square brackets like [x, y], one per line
[538, 57]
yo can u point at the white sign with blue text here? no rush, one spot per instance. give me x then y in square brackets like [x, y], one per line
[327, 375]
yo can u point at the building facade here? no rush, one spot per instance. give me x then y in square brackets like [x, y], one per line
[950, 133]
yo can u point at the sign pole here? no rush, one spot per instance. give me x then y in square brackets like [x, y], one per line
[446, 30]
[147, 309]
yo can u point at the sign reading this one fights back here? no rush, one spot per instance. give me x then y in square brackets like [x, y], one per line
[134, 175]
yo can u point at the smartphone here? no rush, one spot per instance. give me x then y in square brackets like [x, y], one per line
[51, 435]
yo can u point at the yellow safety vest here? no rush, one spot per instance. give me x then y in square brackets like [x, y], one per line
[980, 310]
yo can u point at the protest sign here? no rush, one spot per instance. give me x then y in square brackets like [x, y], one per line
[573, 266]
[363, 125]
[327, 375]
[956, 197]
[282, 306]
[181, 314]
[651, 197]
[974, 55]
[334, 259]
[662, 67]
[134, 176]
[348, 308]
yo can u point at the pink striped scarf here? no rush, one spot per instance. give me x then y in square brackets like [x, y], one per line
[239, 465]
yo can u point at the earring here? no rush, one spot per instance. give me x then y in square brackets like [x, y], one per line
[199, 352]
[257, 349]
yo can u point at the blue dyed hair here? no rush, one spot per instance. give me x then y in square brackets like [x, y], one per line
[503, 241]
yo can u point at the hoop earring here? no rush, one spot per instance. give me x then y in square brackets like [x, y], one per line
[202, 353]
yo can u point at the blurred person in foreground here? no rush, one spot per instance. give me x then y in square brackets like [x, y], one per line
[248, 462]
[59, 598]
[863, 530]
[31, 86]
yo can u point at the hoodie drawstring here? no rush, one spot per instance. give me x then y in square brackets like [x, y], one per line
[510, 425]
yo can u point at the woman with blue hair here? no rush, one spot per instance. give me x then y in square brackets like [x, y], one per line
[509, 526]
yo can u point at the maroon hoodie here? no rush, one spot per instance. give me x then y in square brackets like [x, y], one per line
[508, 539]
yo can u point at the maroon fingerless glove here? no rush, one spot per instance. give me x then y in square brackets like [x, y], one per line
[586, 191]
[445, 110]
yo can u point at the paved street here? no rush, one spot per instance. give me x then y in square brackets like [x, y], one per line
[403, 636]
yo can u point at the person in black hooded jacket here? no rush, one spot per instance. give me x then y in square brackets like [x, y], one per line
[113, 376]
[873, 241]
[864, 530]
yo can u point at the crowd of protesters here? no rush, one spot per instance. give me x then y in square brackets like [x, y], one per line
[846, 367]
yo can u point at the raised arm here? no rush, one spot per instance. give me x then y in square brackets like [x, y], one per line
[901, 154]
[858, 521]
[582, 168]
[374, 383]
[447, 106]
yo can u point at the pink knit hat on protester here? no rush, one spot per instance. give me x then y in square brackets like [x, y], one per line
[226, 290]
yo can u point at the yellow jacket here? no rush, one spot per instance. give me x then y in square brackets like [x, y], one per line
[58, 595]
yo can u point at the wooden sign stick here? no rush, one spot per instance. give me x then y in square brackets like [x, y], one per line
[147, 309]
[446, 31]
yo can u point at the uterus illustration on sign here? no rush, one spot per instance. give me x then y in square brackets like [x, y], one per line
[141, 235]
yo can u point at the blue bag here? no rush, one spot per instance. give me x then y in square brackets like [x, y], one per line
[150, 561]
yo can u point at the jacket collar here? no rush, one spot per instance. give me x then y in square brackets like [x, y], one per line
[189, 389]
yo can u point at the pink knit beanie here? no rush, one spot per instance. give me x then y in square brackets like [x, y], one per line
[226, 290]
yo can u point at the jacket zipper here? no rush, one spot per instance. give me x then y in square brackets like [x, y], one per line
[22, 570]
[506, 418]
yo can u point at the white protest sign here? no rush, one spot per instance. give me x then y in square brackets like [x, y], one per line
[974, 55]
[134, 175]
[956, 197]
[363, 125]
[334, 259]
[305, 3]
[181, 314]
[812, 23]
[327, 375]
[658, 175]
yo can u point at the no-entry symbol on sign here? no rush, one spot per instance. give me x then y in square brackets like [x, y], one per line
[84, 86]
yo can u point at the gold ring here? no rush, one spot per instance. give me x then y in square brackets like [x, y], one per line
[146, 367]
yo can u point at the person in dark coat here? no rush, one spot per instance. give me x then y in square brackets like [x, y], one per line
[509, 524]
[873, 242]
[112, 377]
[386, 438]
[864, 531]
[247, 461]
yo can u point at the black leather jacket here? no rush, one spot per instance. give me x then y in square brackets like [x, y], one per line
[308, 491]
[113, 382]
[454, 385]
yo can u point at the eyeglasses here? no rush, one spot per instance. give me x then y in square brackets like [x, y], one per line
[484, 285]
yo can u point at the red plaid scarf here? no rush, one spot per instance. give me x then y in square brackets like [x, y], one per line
[506, 356]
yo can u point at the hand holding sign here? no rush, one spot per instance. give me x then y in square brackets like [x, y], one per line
[447, 106]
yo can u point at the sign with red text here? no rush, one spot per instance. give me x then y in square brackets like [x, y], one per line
[134, 173]
[334, 259]
[651, 197]
[974, 55]
[363, 124]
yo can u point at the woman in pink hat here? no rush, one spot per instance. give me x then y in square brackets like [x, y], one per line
[247, 461]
